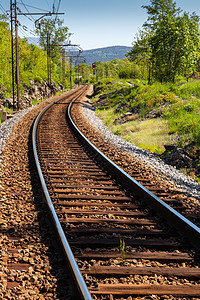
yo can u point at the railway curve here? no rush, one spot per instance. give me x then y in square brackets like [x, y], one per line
[115, 241]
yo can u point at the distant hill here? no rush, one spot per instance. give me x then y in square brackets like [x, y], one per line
[99, 54]
[105, 54]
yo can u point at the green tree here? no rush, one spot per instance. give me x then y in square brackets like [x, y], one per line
[141, 53]
[160, 10]
[169, 42]
[52, 27]
[5, 53]
[174, 47]
[32, 62]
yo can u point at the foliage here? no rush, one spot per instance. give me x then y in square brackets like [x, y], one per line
[141, 53]
[82, 72]
[32, 61]
[123, 69]
[169, 43]
[158, 11]
[126, 70]
[5, 54]
[175, 104]
[52, 27]
[122, 249]
[191, 88]
[184, 119]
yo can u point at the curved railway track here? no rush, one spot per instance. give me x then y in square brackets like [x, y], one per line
[107, 223]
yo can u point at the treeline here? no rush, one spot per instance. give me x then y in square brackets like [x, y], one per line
[117, 68]
[169, 44]
[33, 59]
[167, 47]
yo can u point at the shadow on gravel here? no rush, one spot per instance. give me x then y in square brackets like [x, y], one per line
[63, 288]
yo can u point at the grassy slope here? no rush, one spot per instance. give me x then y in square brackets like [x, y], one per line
[179, 106]
[157, 115]
[149, 134]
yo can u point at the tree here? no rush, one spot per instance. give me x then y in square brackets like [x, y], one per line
[174, 47]
[5, 53]
[141, 53]
[160, 10]
[52, 27]
[170, 40]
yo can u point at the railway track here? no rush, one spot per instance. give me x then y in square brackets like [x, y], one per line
[109, 229]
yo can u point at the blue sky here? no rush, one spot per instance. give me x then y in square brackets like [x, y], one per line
[101, 23]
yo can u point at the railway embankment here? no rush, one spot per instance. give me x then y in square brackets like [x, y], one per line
[31, 265]
[161, 118]
[24, 215]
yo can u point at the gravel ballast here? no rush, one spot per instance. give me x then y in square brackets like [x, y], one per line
[32, 266]
[7, 127]
[186, 183]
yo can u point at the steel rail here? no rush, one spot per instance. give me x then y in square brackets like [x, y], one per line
[185, 227]
[80, 283]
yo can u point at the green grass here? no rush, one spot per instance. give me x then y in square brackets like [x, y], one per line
[150, 134]
[107, 116]
[179, 106]
[35, 101]
[190, 88]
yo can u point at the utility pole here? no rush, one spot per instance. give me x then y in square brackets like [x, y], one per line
[48, 59]
[17, 55]
[14, 48]
[63, 66]
[70, 62]
[70, 56]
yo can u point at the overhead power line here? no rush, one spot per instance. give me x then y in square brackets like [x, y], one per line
[56, 10]
[14, 12]
[48, 4]
[25, 28]
[22, 2]
[58, 5]
[3, 10]
[44, 10]
[24, 14]
[30, 39]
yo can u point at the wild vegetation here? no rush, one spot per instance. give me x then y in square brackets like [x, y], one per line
[151, 116]
[33, 59]
[151, 97]
[168, 43]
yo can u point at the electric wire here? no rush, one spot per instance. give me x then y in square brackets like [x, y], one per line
[32, 20]
[48, 4]
[58, 6]
[30, 39]
[57, 9]
[27, 17]
[22, 2]
[26, 29]
[37, 8]
[3, 10]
